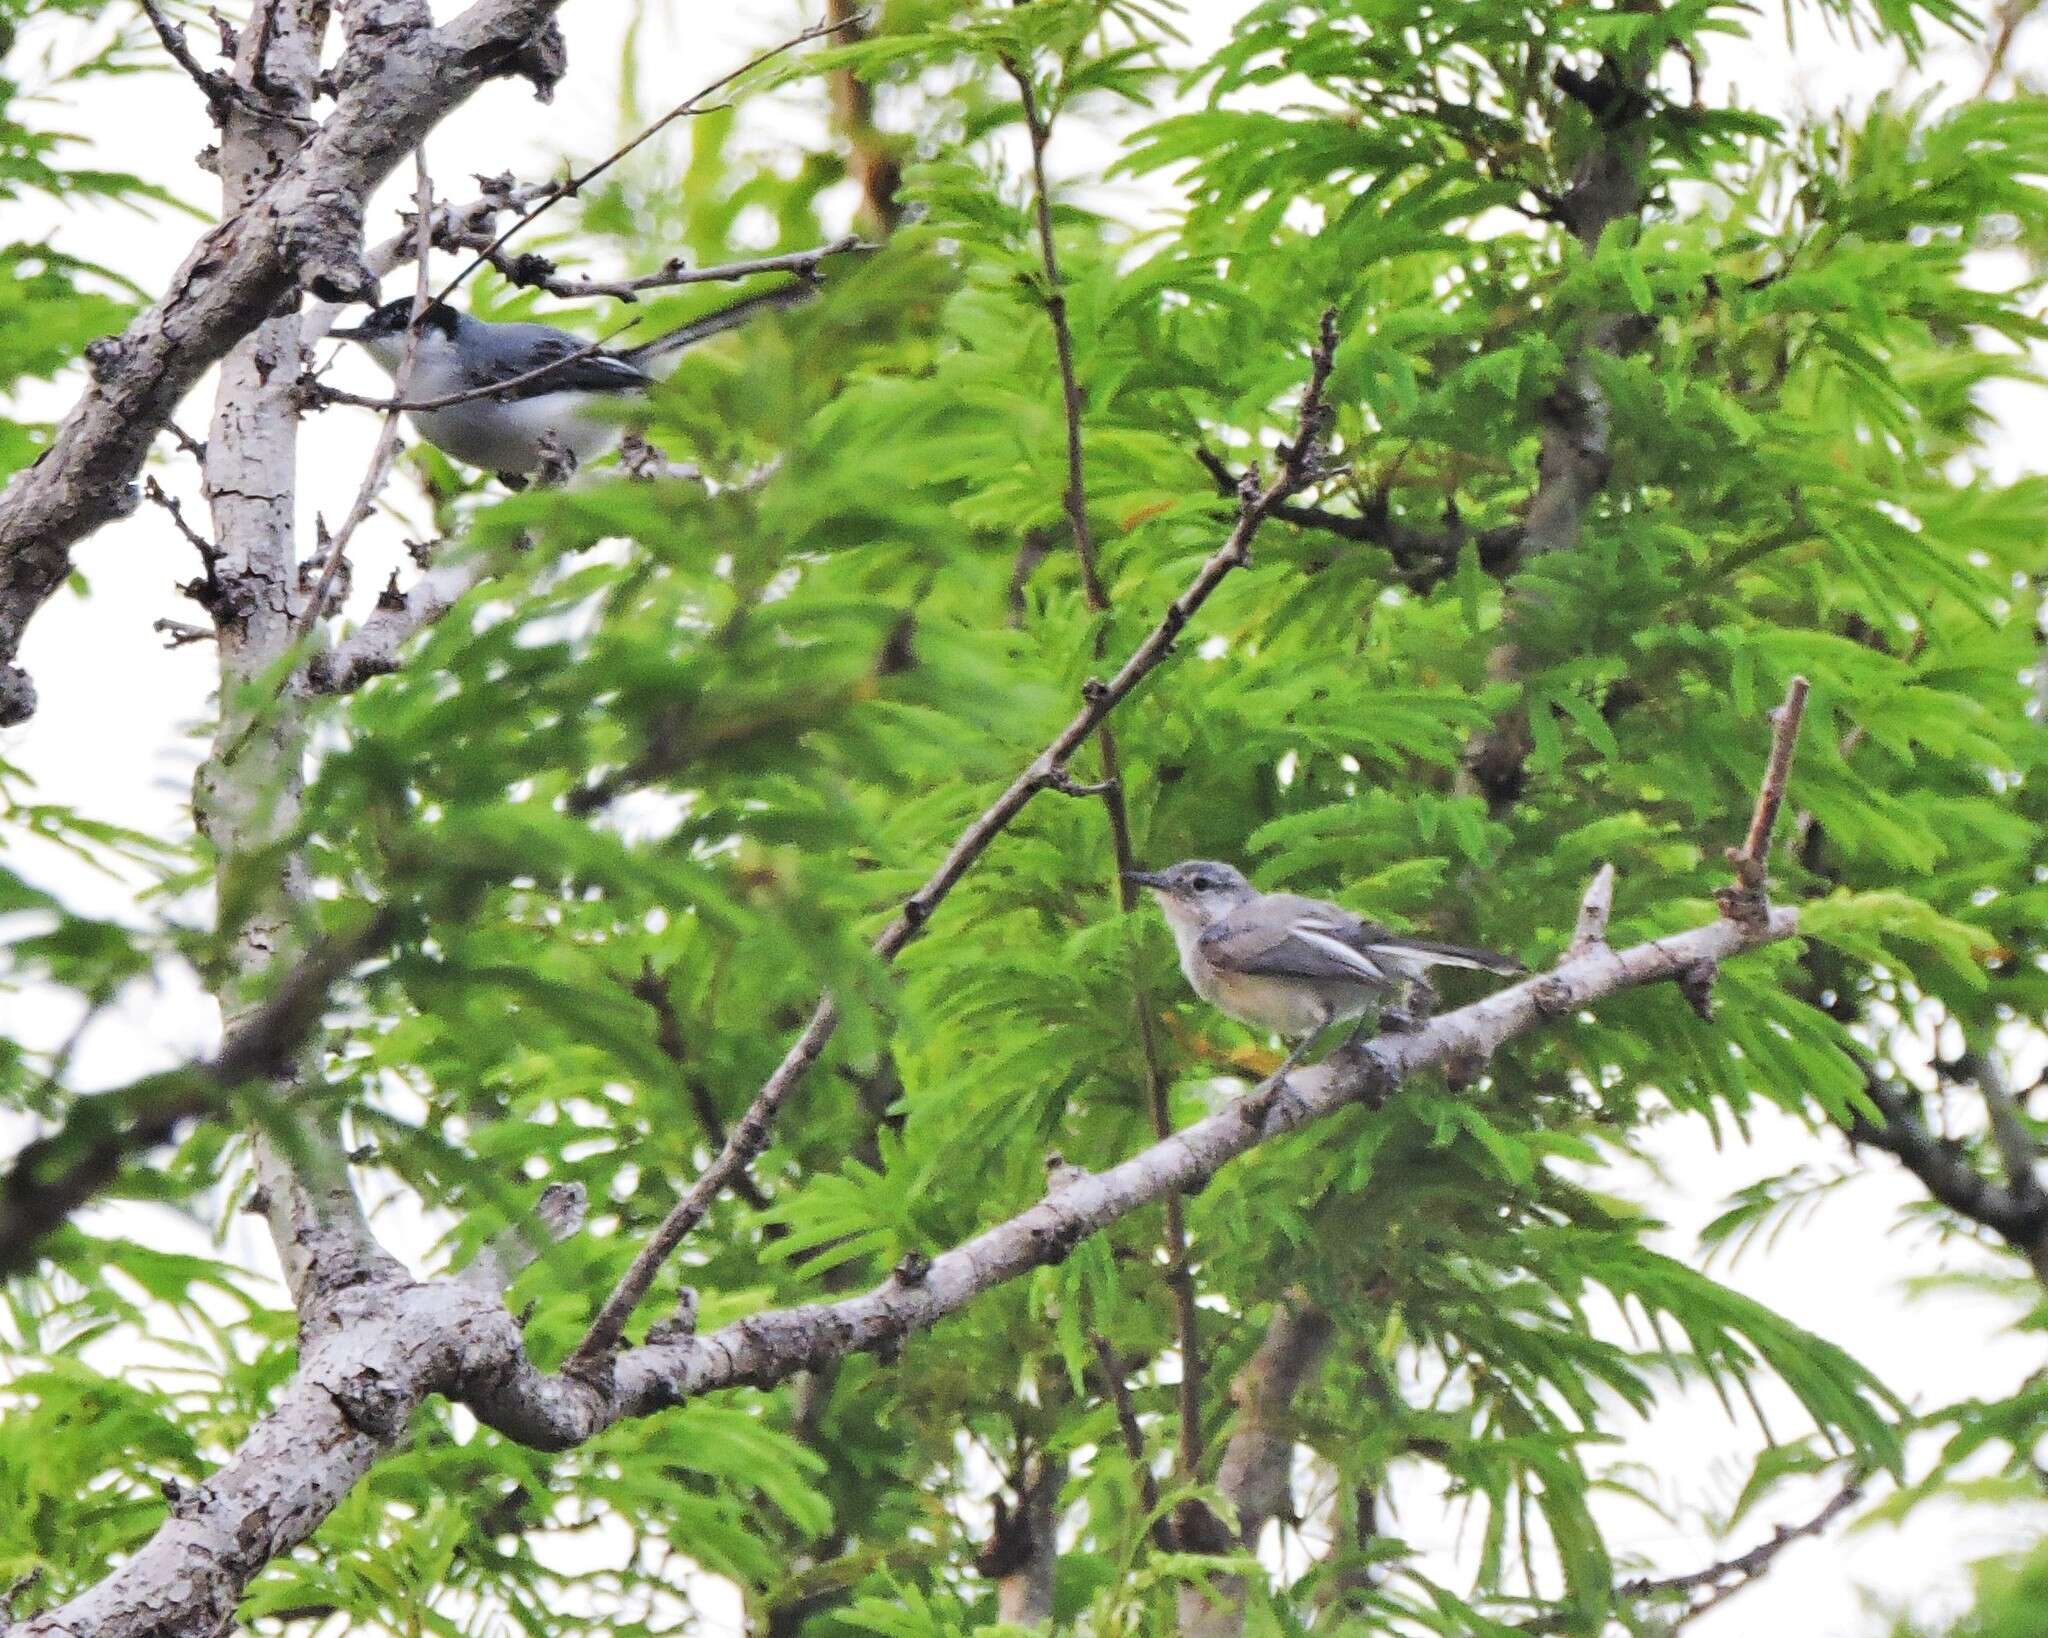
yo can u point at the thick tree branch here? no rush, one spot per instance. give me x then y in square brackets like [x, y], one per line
[360, 1379]
[395, 82]
[1044, 772]
[246, 796]
[552, 1411]
[1023, 1550]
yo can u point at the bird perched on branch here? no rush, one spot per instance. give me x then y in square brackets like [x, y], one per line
[1291, 965]
[556, 383]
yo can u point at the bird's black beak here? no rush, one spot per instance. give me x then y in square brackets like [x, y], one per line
[346, 332]
[1145, 878]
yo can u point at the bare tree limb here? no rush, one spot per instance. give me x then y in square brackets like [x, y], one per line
[538, 272]
[394, 1345]
[1099, 698]
[396, 82]
[247, 794]
[1702, 1590]
[767, 1347]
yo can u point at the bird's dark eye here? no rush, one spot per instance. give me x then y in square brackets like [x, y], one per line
[1202, 884]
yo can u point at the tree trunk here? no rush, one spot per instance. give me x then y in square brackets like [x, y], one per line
[1258, 1462]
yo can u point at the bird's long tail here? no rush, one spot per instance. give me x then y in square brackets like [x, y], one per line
[650, 354]
[1429, 953]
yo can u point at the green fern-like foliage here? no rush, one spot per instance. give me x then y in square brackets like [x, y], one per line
[653, 789]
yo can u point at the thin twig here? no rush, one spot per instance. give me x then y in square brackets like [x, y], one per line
[692, 104]
[651, 988]
[189, 444]
[1134, 1439]
[209, 553]
[1075, 499]
[490, 389]
[1755, 851]
[538, 272]
[387, 437]
[1179, 1271]
[1744, 899]
[178, 634]
[1099, 698]
[1722, 1580]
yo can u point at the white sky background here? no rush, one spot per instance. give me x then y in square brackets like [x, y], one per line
[112, 738]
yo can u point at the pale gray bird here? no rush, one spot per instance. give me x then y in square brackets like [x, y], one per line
[513, 431]
[1286, 964]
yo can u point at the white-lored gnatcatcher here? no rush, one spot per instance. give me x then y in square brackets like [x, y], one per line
[1290, 965]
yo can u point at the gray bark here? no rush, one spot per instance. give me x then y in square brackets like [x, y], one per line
[301, 229]
[246, 796]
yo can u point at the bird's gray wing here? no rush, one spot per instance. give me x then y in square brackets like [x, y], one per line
[518, 349]
[1283, 936]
